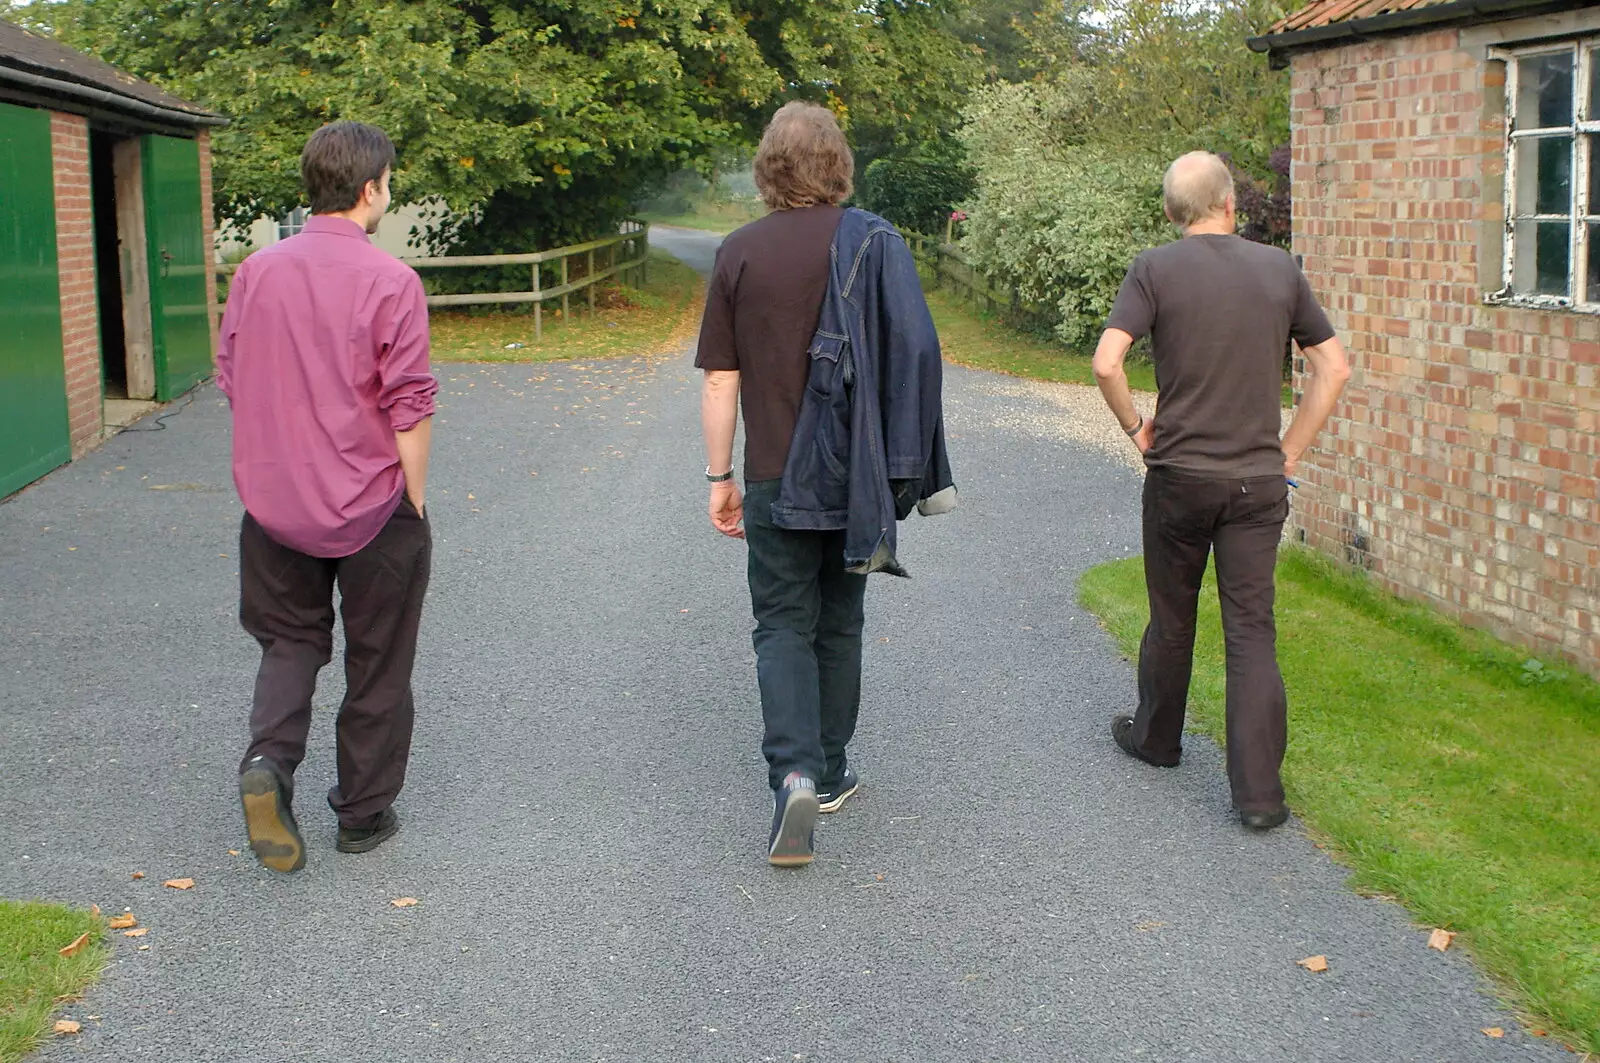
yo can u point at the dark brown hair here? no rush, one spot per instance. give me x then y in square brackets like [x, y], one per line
[339, 160]
[803, 160]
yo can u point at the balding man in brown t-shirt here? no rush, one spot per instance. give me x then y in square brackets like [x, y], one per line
[1219, 312]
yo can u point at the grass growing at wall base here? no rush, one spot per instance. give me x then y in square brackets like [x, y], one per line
[629, 320]
[34, 976]
[1445, 768]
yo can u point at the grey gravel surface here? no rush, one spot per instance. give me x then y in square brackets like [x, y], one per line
[586, 812]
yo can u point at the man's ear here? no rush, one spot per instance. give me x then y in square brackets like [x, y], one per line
[369, 192]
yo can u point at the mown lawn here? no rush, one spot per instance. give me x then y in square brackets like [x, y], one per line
[34, 976]
[1448, 770]
[627, 321]
[980, 340]
[719, 217]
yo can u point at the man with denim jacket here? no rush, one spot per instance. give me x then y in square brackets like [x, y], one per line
[763, 306]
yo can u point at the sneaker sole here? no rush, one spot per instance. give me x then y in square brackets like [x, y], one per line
[792, 846]
[838, 799]
[274, 837]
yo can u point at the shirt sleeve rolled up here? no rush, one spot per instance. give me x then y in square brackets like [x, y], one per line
[406, 384]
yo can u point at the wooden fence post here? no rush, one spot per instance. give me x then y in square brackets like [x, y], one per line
[565, 309]
[590, 285]
[538, 306]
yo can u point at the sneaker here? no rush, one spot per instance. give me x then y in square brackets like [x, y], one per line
[829, 798]
[362, 840]
[267, 793]
[793, 821]
[1122, 734]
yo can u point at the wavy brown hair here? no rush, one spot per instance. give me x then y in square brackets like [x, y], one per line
[803, 160]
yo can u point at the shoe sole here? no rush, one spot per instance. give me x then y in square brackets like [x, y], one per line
[1271, 821]
[837, 800]
[274, 836]
[366, 845]
[792, 846]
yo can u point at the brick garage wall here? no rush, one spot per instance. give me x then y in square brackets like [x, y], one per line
[80, 320]
[1461, 465]
[208, 231]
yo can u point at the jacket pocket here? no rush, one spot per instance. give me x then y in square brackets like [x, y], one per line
[830, 381]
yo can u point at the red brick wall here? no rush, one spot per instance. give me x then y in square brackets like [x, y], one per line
[1461, 465]
[208, 231]
[80, 322]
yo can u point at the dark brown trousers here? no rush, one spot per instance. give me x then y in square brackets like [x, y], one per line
[286, 603]
[1185, 520]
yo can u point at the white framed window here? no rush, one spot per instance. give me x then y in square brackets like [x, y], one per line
[1552, 174]
[291, 223]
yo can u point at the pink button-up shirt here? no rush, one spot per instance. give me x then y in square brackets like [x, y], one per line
[323, 357]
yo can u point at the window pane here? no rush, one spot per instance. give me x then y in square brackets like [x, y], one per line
[1544, 91]
[1593, 59]
[1544, 175]
[1594, 265]
[1542, 252]
[1591, 144]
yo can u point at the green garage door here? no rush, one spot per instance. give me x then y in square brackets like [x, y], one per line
[180, 324]
[34, 434]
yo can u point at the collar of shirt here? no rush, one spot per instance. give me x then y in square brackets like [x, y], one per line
[327, 223]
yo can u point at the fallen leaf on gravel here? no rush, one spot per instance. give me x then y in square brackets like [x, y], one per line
[94, 910]
[403, 902]
[1314, 963]
[122, 922]
[137, 875]
[77, 943]
[1493, 1031]
[179, 883]
[233, 852]
[1149, 924]
[1537, 1032]
[1440, 939]
[67, 1026]
[139, 933]
[144, 948]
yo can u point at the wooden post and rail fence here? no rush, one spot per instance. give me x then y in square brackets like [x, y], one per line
[951, 268]
[627, 250]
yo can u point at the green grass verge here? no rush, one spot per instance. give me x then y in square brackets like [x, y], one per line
[981, 340]
[627, 321]
[34, 976]
[718, 217]
[1444, 767]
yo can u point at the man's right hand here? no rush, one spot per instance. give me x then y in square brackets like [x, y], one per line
[1145, 438]
[727, 509]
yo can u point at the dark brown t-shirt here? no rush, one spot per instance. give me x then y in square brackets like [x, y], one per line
[762, 307]
[1219, 311]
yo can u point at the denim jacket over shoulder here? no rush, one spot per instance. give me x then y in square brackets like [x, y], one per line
[869, 443]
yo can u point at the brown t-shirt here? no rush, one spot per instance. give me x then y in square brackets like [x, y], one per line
[762, 307]
[1219, 311]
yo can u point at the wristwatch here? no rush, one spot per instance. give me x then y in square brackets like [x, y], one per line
[718, 479]
[1135, 430]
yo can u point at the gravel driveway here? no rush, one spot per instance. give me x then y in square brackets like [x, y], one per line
[586, 812]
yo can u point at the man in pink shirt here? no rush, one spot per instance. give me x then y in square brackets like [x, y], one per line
[324, 359]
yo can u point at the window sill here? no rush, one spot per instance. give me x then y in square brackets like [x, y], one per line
[1539, 302]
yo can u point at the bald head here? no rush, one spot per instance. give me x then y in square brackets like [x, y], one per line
[1197, 186]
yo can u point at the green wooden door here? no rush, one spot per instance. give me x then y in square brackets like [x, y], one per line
[34, 433]
[180, 325]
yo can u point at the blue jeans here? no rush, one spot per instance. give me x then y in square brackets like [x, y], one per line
[808, 613]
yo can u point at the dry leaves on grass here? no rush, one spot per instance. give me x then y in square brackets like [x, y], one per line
[122, 922]
[138, 933]
[179, 883]
[67, 1026]
[77, 945]
[1317, 964]
[404, 902]
[1493, 1031]
[1440, 939]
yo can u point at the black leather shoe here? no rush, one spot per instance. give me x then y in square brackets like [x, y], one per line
[266, 792]
[1272, 817]
[354, 840]
[1122, 733]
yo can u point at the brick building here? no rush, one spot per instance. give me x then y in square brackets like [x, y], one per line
[105, 231]
[1446, 187]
